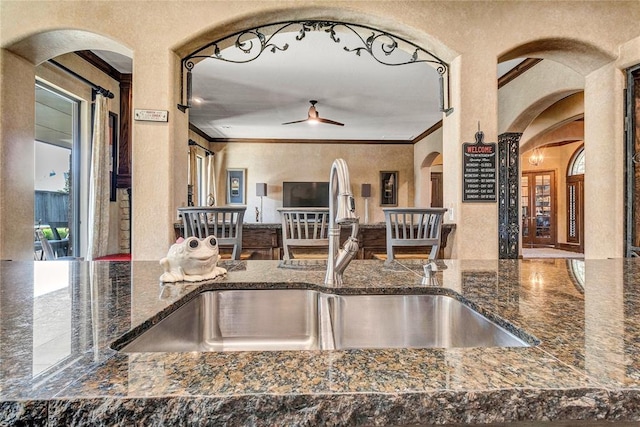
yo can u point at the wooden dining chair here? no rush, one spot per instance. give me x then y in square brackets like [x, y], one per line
[304, 228]
[224, 222]
[413, 227]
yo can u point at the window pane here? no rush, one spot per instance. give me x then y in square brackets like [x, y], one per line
[577, 167]
[52, 167]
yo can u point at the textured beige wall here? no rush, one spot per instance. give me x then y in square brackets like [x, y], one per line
[274, 163]
[470, 35]
[523, 99]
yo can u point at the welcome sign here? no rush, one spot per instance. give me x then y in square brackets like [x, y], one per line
[479, 170]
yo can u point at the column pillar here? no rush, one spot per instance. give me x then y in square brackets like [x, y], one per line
[508, 200]
[17, 103]
[604, 147]
[155, 153]
[474, 98]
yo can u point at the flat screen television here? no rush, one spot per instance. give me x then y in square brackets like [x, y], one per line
[305, 194]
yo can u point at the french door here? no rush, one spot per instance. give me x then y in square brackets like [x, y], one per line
[538, 208]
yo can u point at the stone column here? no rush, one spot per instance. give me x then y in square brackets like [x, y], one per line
[156, 153]
[604, 147]
[17, 102]
[474, 98]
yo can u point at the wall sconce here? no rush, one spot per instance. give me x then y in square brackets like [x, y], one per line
[536, 158]
[366, 193]
[261, 191]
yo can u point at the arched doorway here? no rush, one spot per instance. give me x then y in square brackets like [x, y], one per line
[23, 61]
[537, 119]
[430, 177]
[368, 152]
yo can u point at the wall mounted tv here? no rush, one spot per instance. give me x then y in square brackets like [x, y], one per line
[305, 194]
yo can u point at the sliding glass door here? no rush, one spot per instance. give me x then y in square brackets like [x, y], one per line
[57, 169]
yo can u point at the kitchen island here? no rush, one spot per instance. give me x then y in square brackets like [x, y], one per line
[59, 320]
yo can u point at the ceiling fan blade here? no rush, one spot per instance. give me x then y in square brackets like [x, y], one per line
[329, 122]
[296, 121]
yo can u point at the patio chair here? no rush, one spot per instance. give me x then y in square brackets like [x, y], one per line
[49, 253]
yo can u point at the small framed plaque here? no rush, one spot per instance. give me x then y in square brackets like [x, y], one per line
[151, 115]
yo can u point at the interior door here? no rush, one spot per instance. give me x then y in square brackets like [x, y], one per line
[538, 208]
[436, 190]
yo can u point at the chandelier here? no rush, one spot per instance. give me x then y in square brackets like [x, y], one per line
[536, 158]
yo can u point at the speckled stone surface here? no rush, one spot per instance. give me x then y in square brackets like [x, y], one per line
[59, 322]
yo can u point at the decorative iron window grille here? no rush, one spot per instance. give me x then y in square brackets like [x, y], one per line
[248, 45]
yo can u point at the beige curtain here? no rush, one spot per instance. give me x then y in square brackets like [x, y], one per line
[99, 187]
[212, 196]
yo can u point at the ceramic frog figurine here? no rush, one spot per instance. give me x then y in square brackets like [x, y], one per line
[192, 260]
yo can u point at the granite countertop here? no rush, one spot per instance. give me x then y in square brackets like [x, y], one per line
[58, 320]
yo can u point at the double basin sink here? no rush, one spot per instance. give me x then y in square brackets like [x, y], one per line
[298, 319]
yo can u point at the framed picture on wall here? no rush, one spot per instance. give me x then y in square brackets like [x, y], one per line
[389, 188]
[236, 186]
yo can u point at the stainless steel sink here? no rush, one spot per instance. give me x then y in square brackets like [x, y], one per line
[293, 319]
[403, 321]
[241, 320]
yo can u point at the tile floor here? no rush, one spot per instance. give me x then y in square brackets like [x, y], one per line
[549, 253]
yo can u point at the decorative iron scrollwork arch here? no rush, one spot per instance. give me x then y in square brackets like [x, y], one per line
[249, 45]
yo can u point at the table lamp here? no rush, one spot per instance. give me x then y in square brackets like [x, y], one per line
[366, 193]
[261, 191]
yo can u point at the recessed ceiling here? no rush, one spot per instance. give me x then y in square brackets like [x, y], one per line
[374, 101]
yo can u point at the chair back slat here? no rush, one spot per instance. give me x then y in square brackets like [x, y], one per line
[224, 222]
[412, 227]
[304, 227]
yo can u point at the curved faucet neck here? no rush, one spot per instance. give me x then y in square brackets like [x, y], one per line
[341, 210]
[338, 186]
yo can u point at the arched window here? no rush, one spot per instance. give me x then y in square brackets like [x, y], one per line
[577, 163]
[575, 201]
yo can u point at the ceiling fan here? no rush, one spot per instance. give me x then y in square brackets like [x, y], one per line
[314, 117]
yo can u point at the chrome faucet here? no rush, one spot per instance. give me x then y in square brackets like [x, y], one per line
[430, 278]
[342, 210]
